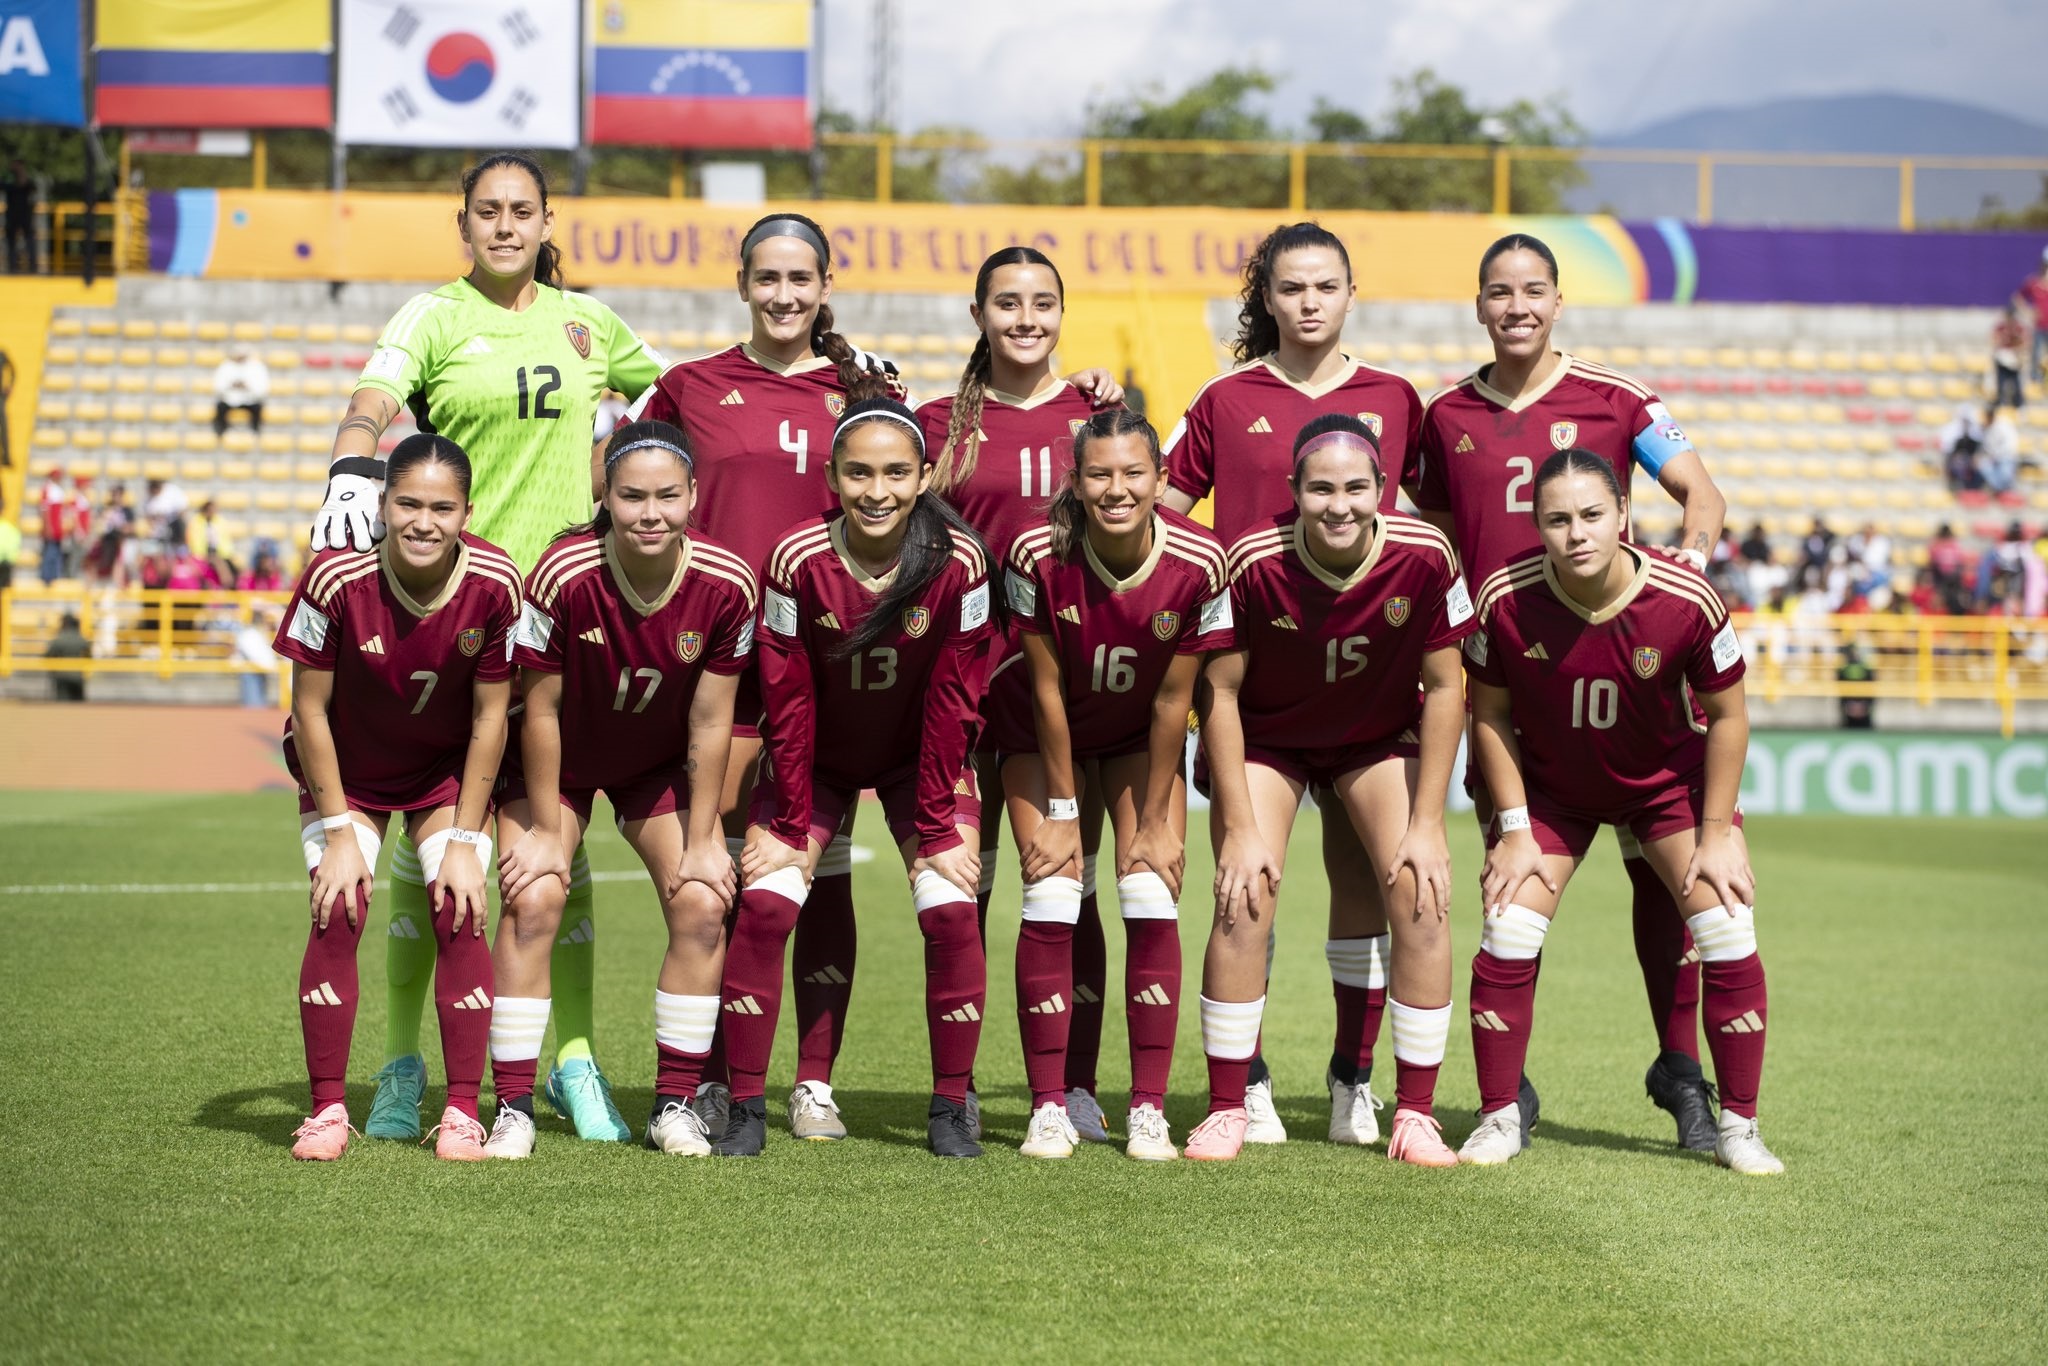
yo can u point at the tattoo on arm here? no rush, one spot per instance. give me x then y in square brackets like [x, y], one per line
[363, 424]
[1699, 542]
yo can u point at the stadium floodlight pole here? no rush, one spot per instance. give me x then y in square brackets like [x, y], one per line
[817, 66]
[339, 175]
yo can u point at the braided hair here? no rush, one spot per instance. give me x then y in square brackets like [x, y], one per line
[858, 380]
[954, 464]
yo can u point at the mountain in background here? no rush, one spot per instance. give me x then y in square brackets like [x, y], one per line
[1910, 125]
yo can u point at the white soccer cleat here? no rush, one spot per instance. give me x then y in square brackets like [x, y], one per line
[1150, 1140]
[1351, 1112]
[1740, 1148]
[812, 1113]
[511, 1135]
[1263, 1124]
[1498, 1138]
[1084, 1112]
[1051, 1134]
[680, 1130]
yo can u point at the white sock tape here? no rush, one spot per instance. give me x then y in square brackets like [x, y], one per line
[932, 890]
[1420, 1034]
[1144, 896]
[1516, 933]
[1230, 1029]
[518, 1025]
[1722, 936]
[784, 882]
[1053, 900]
[1359, 962]
[685, 1023]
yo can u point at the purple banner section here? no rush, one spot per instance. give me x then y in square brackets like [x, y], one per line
[163, 229]
[1686, 263]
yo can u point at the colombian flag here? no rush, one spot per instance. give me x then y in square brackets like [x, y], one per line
[214, 64]
[703, 73]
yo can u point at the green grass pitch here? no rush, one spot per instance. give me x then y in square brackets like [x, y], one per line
[152, 1075]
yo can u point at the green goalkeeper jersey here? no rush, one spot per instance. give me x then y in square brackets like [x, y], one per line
[518, 391]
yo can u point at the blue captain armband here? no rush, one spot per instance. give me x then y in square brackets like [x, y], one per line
[1659, 443]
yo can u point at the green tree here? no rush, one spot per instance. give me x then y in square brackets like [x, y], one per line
[1220, 107]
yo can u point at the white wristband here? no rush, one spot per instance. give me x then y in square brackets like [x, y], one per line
[1514, 818]
[341, 822]
[472, 837]
[1062, 808]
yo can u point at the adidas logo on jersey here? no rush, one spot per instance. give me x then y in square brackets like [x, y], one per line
[373, 646]
[402, 928]
[1486, 1019]
[476, 1000]
[827, 976]
[1748, 1022]
[582, 934]
[1536, 651]
[477, 347]
[1084, 996]
[1052, 1005]
[322, 995]
[966, 1014]
[829, 621]
[1260, 428]
[1154, 995]
[594, 636]
[1285, 622]
[1072, 614]
[731, 400]
[1464, 445]
[745, 1005]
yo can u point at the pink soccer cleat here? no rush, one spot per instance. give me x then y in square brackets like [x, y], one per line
[1418, 1139]
[461, 1137]
[324, 1137]
[1220, 1137]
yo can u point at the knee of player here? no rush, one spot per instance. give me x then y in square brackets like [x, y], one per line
[536, 912]
[696, 918]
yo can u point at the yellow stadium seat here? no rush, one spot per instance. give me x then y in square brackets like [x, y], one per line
[201, 385]
[234, 471]
[2037, 416]
[174, 331]
[1801, 360]
[102, 327]
[314, 471]
[66, 327]
[274, 443]
[127, 383]
[684, 341]
[360, 334]
[313, 386]
[167, 382]
[83, 467]
[239, 440]
[1747, 495]
[1374, 353]
[1479, 353]
[1789, 498]
[316, 443]
[157, 439]
[1932, 415]
[1596, 354]
[129, 410]
[138, 329]
[53, 410]
[274, 472]
[1838, 361]
[1662, 357]
[173, 357]
[1816, 469]
[1447, 353]
[233, 500]
[1775, 467]
[159, 469]
[96, 382]
[1899, 498]
[1717, 410]
[1873, 362]
[937, 371]
[98, 356]
[280, 359]
[1801, 441]
[198, 471]
[1766, 358]
[247, 331]
[1909, 362]
[290, 332]
[1961, 390]
[88, 439]
[61, 355]
[58, 382]
[1876, 443]
[211, 331]
[1753, 411]
[321, 332]
[964, 342]
[273, 500]
[1731, 358]
[90, 410]
[1863, 499]
[1730, 440]
[1411, 352]
[197, 411]
[896, 345]
[202, 439]
[1735, 466]
[309, 499]
[1937, 499]
[122, 470]
[932, 344]
[1695, 357]
[1922, 389]
[1838, 441]
[1827, 497]
[271, 530]
[284, 386]
[208, 357]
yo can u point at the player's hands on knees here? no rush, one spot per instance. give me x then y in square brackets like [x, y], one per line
[1157, 848]
[1509, 864]
[1424, 852]
[1053, 849]
[536, 854]
[340, 873]
[707, 862]
[1720, 861]
[960, 865]
[1243, 866]
[462, 878]
[764, 854]
[1099, 385]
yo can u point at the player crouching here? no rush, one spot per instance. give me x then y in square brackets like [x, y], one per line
[1588, 657]
[400, 689]
[630, 645]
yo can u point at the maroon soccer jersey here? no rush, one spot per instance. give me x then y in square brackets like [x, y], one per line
[1335, 661]
[909, 701]
[1237, 438]
[630, 667]
[1027, 448]
[1602, 701]
[404, 671]
[1114, 638]
[1480, 450]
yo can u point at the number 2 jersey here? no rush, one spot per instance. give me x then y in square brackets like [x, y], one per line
[629, 665]
[405, 671]
[1602, 701]
[909, 701]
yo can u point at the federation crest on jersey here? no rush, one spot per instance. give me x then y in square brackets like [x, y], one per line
[471, 640]
[1373, 423]
[1396, 610]
[689, 644]
[916, 621]
[1075, 424]
[835, 404]
[1166, 625]
[1564, 435]
[1647, 658]
[579, 337]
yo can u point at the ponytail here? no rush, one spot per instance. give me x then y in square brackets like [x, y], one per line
[859, 381]
[1068, 519]
[963, 430]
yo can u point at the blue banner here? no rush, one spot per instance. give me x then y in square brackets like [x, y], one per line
[42, 75]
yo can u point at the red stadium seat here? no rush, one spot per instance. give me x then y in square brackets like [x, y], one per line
[1706, 384]
[1814, 388]
[1915, 441]
[1742, 384]
[1860, 413]
[1670, 384]
[319, 360]
[1851, 388]
[1778, 384]
[1900, 417]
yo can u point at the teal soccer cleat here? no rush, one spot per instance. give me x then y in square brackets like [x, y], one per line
[395, 1110]
[578, 1092]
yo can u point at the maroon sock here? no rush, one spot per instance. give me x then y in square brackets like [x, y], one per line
[1671, 974]
[822, 963]
[1358, 1023]
[463, 988]
[751, 996]
[677, 1073]
[1503, 1009]
[1152, 1007]
[1737, 1010]
[1415, 1086]
[513, 1080]
[955, 988]
[1091, 984]
[1045, 991]
[1227, 1079]
[327, 1000]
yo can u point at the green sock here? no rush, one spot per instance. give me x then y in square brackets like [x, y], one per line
[573, 969]
[408, 952]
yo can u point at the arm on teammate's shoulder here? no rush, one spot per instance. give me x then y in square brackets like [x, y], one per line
[1684, 476]
[1174, 498]
[355, 475]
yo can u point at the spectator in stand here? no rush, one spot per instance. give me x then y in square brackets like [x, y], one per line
[241, 383]
[1858, 712]
[1927, 598]
[78, 541]
[2034, 294]
[1998, 458]
[203, 531]
[2008, 346]
[252, 648]
[2001, 573]
[164, 508]
[21, 219]
[1813, 550]
[1871, 551]
[1961, 438]
[1756, 546]
[68, 643]
[1134, 397]
[57, 512]
[266, 575]
[10, 546]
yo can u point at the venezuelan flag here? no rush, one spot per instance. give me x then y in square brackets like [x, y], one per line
[703, 73]
[214, 64]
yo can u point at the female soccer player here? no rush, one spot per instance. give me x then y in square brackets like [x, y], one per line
[400, 690]
[1341, 609]
[1119, 599]
[510, 366]
[1482, 441]
[876, 632]
[994, 441]
[1585, 668]
[630, 648]
[1236, 443]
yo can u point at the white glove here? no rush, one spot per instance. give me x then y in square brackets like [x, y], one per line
[348, 519]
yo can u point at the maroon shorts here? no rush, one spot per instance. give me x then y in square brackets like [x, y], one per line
[1323, 767]
[1559, 830]
[830, 802]
[747, 704]
[656, 792]
[437, 787]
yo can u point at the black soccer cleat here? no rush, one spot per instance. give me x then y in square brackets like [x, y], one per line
[1531, 1106]
[950, 1131]
[1675, 1082]
[746, 1130]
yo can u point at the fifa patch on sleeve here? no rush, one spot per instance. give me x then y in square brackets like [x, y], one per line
[1727, 649]
[386, 362]
[1458, 602]
[974, 606]
[744, 646]
[1657, 444]
[779, 611]
[309, 626]
[1216, 614]
[534, 629]
[1023, 594]
[1475, 648]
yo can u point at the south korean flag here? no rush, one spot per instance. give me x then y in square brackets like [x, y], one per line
[430, 73]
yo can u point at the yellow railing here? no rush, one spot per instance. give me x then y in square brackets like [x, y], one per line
[165, 632]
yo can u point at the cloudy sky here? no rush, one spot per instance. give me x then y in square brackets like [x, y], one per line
[1028, 67]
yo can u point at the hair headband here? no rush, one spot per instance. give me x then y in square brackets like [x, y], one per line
[1331, 441]
[786, 227]
[916, 432]
[612, 457]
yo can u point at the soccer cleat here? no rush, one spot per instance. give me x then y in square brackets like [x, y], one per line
[678, 1129]
[949, 1131]
[1675, 1083]
[461, 1137]
[1264, 1124]
[1220, 1137]
[1352, 1117]
[323, 1137]
[578, 1092]
[1740, 1148]
[1051, 1133]
[1418, 1139]
[511, 1135]
[1149, 1139]
[395, 1108]
[1529, 1105]
[713, 1104]
[974, 1114]
[1084, 1115]
[812, 1114]
[1497, 1139]
[746, 1129]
